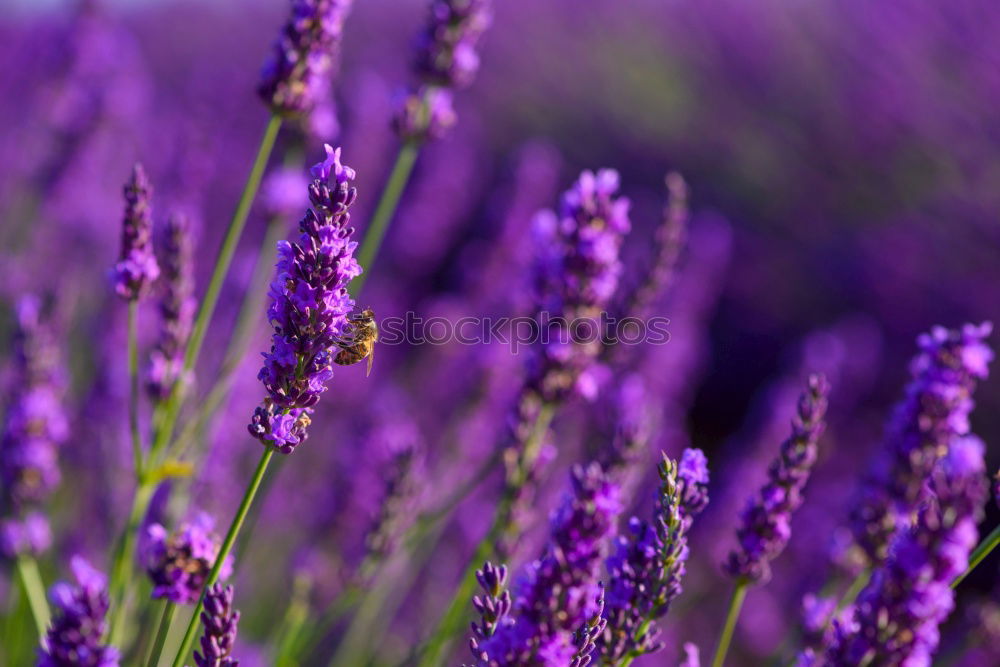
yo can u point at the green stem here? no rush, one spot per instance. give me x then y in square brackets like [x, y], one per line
[454, 617]
[121, 569]
[852, 592]
[219, 273]
[34, 590]
[386, 208]
[983, 550]
[227, 546]
[735, 604]
[639, 634]
[133, 382]
[163, 629]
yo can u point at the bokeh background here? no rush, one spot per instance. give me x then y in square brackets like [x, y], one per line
[843, 164]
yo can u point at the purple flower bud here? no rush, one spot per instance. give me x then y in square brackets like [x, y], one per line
[765, 524]
[30, 535]
[447, 55]
[179, 564]
[934, 411]
[493, 606]
[309, 307]
[425, 114]
[136, 269]
[177, 307]
[304, 56]
[220, 621]
[78, 622]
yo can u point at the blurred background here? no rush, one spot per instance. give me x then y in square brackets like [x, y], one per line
[842, 160]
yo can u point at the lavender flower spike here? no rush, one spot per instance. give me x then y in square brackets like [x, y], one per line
[309, 307]
[178, 564]
[560, 594]
[765, 526]
[296, 76]
[934, 411]
[898, 614]
[78, 622]
[136, 270]
[177, 306]
[646, 568]
[220, 621]
[493, 606]
[35, 426]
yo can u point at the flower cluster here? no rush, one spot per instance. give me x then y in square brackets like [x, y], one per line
[647, 566]
[78, 622]
[765, 524]
[560, 594]
[177, 306]
[309, 307]
[178, 564]
[934, 411]
[577, 272]
[446, 60]
[220, 621]
[493, 605]
[897, 615]
[136, 270]
[35, 426]
[296, 77]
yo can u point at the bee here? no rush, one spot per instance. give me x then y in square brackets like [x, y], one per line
[359, 341]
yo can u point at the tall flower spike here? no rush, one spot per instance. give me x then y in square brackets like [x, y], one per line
[78, 622]
[897, 615]
[35, 426]
[765, 525]
[177, 306]
[560, 594]
[934, 411]
[447, 60]
[178, 564]
[136, 269]
[309, 307]
[402, 484]
[493, 605]
[297, 74]
[220, 621]
[646, 567]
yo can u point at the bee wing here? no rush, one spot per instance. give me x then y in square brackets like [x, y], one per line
[371, 359]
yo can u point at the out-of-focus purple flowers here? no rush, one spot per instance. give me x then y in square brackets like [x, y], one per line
[560, 594]
[309, 307]
[78, 622]
[178, 564]
[177, 307]
[220, 621]
[137, 269]
[34, 428]
[933, 413]
[646, 568]
[297, 76]
[897, 616]
[765, 524]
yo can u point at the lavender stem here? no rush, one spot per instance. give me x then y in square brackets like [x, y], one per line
[227, 545]
[34, 590]
[133, 380]
[732, 615]
[122, 563]
[163, 629]
[384, 210]
[982, 550]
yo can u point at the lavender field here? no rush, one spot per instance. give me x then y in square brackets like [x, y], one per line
[467, 332]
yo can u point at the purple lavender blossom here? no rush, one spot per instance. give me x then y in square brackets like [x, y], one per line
[136, 270]
[765, 524]
[493, 606]
[933, 413]
[309, 307]
[897, 615]
[220, 621]
[78, 622]
[35, 426]
[427, 113]
[177, 307]
[560, 594]
[646, 567]
[297, 74]
[576, 276]
[402, 484]
[178, 564]
[692, 656]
